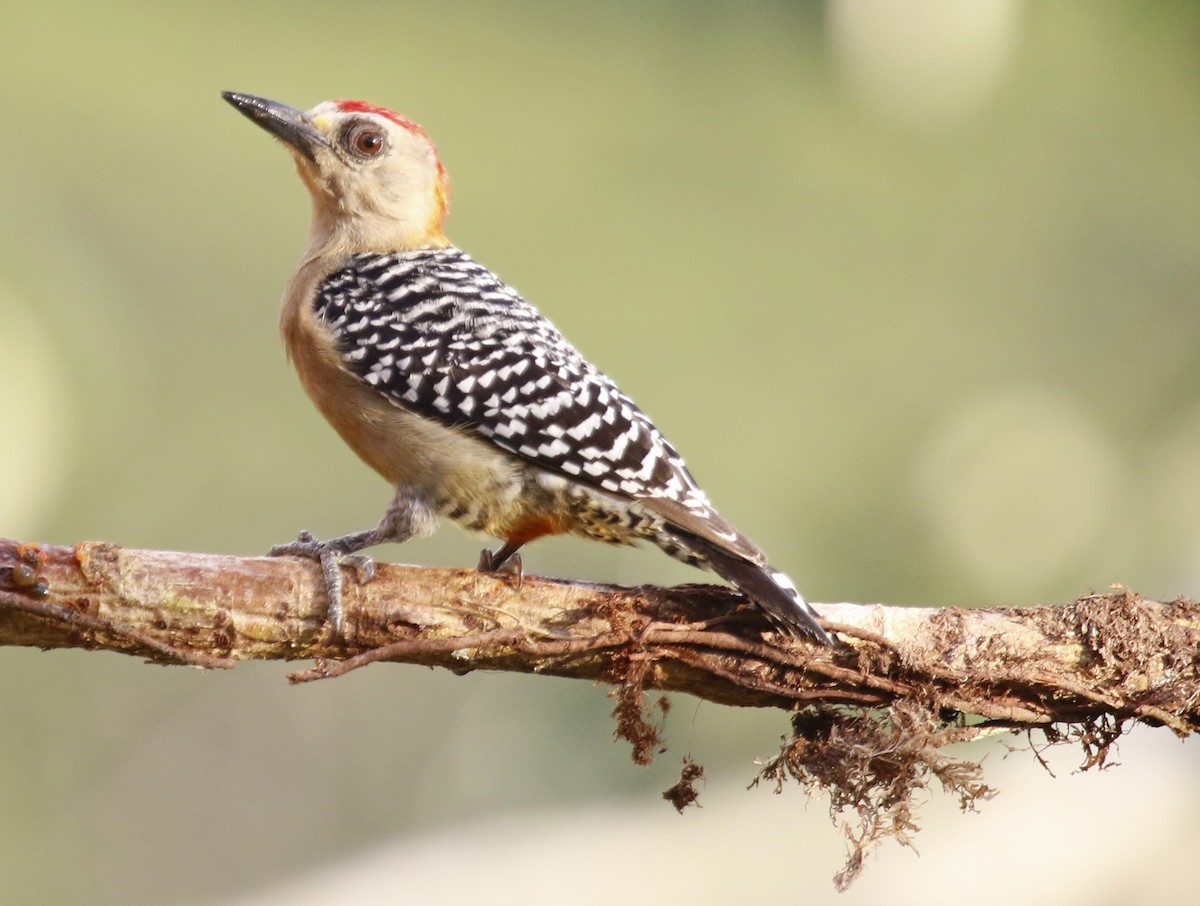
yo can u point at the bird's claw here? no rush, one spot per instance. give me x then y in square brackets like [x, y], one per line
[305, 545]
[363, 566]
[513, 568]
[332, 556]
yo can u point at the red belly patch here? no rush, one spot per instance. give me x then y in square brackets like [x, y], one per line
[534, 527]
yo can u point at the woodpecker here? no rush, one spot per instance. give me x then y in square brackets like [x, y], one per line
[464, 397]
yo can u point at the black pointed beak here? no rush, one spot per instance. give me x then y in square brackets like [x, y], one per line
[285, 123]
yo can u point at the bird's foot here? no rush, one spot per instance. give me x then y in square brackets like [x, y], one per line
[511, 567]
[332, 555]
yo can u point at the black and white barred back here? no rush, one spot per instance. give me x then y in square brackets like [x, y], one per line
[443, 337]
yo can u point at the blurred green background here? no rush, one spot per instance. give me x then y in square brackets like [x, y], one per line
[912, 285]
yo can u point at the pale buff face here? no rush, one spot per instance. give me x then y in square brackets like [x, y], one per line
[375, 179]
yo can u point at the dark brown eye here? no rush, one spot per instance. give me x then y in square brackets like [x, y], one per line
[365, 141]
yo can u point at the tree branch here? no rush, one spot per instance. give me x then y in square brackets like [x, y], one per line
[905, 682]
[1114, 654]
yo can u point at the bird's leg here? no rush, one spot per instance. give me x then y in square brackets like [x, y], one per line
[406, 516]
[506, 560]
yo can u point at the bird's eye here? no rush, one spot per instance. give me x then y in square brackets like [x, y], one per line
[365, 141]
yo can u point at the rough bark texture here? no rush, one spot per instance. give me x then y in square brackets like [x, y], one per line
[1114, 654]
[869, 718]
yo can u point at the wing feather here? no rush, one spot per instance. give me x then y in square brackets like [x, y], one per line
[442, 336]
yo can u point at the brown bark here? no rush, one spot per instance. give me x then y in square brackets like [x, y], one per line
[870, 718]
[1115, 654]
